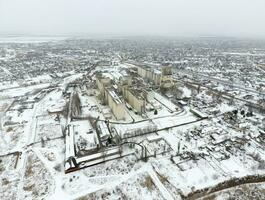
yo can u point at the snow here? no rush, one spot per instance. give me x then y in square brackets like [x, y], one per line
[16, 92]
[186, 92]
[225, 108]
[184, 153]
[165, 102]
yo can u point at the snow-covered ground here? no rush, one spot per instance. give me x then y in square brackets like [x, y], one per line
[185, 153]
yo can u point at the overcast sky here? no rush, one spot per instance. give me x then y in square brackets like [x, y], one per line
[244, 18]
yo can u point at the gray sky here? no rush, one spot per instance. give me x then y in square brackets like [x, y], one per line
[244, 18]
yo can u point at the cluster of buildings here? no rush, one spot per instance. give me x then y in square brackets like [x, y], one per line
[130, 90]
[162, 78]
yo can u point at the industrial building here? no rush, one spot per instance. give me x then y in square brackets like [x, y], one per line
[161, 78]
[115, 103]
[109, 96]
[132, 87]
[135, 97]
[133, 93]
[166, 77]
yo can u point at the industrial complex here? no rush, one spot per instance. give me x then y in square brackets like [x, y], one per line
[137, 119]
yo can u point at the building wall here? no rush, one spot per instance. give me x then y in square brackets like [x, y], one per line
[136, 103]
[116, 108]
[157, 79]
[166, 78]
[141, 71]
[101, 83]
[119, 111]
[100, 86]
[149, 74]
